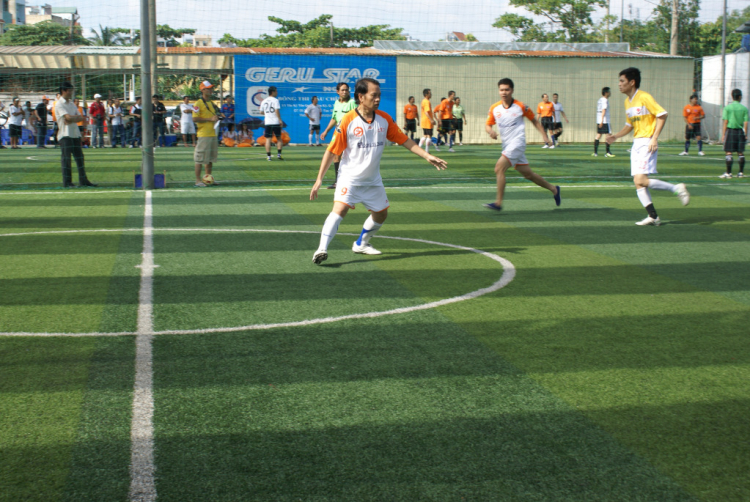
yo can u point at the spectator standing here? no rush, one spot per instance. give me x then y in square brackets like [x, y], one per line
[51, 111]
[118, 130]
[313, 113]
[69, 137]
[206, 115]
[29, 119]
[187, 126]
[160, 112]
[227, 109]
[15, 123]
[82, 124]
[98, 115]
[2, 107]
[136, 111]
[40, 112]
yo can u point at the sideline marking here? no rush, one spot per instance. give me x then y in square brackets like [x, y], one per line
[509, 272]
[142, 467]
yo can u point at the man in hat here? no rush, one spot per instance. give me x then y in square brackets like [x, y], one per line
[206, 117]
[98, 116]
[69, 136]
[41, 122]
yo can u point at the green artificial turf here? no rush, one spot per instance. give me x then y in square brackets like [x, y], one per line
[613, 367]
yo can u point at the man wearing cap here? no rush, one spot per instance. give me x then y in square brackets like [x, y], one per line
[206, 116]
[41, 122]
[69, 136]
[98, 114]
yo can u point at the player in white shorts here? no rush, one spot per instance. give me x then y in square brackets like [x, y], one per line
[508, 115]
[646, 118]
[360, 139]
[187, 126]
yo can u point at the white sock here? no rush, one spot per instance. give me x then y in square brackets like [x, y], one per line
[309, 138]
[644, 196]
[368, 230]
[427, 142]
[421, 142]
[330, 227]
[661, 185]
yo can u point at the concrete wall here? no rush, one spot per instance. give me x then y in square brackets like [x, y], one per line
[578, 81]
[737, 77]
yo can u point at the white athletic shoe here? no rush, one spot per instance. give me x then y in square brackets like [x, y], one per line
[436, 147]
[740, 175]
[683, 194]
[726, 176]
[701, 154]
[684, 154]
[553, 146]
[364, 249]
[545, 146]
[648, 220]
[460, 144]
[451, 150]
[320, 256]
[594, 155]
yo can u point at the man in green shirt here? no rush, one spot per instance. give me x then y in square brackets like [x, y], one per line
[341, 107]
[459, 118]
[734, 132]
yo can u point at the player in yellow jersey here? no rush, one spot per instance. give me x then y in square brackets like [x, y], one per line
[427, 121]
[646, 118]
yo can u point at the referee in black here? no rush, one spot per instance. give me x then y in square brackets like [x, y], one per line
[69, 136]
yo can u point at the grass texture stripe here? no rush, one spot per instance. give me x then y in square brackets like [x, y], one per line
[142, 467]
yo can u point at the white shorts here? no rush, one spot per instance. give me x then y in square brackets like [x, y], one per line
[372, 196]
[641, 160]
[187, 127]
[516, 154]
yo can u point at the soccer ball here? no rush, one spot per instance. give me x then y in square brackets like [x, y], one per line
[208, 179]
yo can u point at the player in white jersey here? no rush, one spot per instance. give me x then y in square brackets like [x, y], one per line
[602, 121]
[271, 110]
[557, 128]
[187, 126]
[360, 140]
[508, 115]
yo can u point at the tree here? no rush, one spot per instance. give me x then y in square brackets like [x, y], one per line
[163, 31]
[44, 33]
[687, 27]
[471, 38]
[568, 20]
[319, 32]
[106, 37]
[709, 34]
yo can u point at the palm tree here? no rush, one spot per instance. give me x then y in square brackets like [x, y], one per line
[106, 37]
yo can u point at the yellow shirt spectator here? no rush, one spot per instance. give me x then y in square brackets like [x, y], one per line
[206, 110]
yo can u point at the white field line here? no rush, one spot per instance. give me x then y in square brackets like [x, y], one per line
[144, 313]
[142, 467]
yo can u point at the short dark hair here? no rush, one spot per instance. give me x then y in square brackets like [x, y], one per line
[271, 89]
[362, 86]
[736, 94]
[313, 98]
[605, 90]
[505, 81]
[451, 93]
[65, 86]
[631, 74]
[410, 98]
[155, 96]
[338, 86]
[556, 94]
[425, 92]
[693, 96]
[457, 97]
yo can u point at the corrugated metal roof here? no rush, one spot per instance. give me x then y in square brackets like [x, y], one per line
[107, 51]
[39, 49]
[64, 10]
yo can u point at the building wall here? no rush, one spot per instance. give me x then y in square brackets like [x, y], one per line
[578, 81]
[737, 73]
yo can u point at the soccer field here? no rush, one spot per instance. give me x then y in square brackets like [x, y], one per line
[179, 345]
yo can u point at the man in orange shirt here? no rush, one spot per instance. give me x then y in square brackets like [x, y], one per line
[545, 113]
[410, 118]
[445, 118]
[693, 114]
[427, 121]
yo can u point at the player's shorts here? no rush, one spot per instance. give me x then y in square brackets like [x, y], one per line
[187, 127]
[448, 125]
[458, 124]
[314, 128]
[427, 132]
[411, 125]
[604, 129]
[15, 131]
[548, 123]
[273, 130]
[641, 160]
[206, 150]
[556, 126]
[735, 141]
[516, 154]
[692, 133]
[371, 196]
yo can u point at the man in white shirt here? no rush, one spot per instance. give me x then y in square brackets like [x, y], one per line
[602, 122]
[313, 113]
[187, 126]
[270, 108]
[557, 129]
[118, 129]
[15, 123]
[69, 136]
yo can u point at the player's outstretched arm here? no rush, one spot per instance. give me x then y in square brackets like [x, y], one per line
[324, 165]
[410, 145]
[611, 138]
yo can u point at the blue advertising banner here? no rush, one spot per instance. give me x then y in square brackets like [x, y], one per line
[298, 79]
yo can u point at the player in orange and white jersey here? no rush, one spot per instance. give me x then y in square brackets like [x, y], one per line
[508, 114]
[360, 140]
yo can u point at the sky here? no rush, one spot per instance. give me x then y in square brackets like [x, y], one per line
[423, 20]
